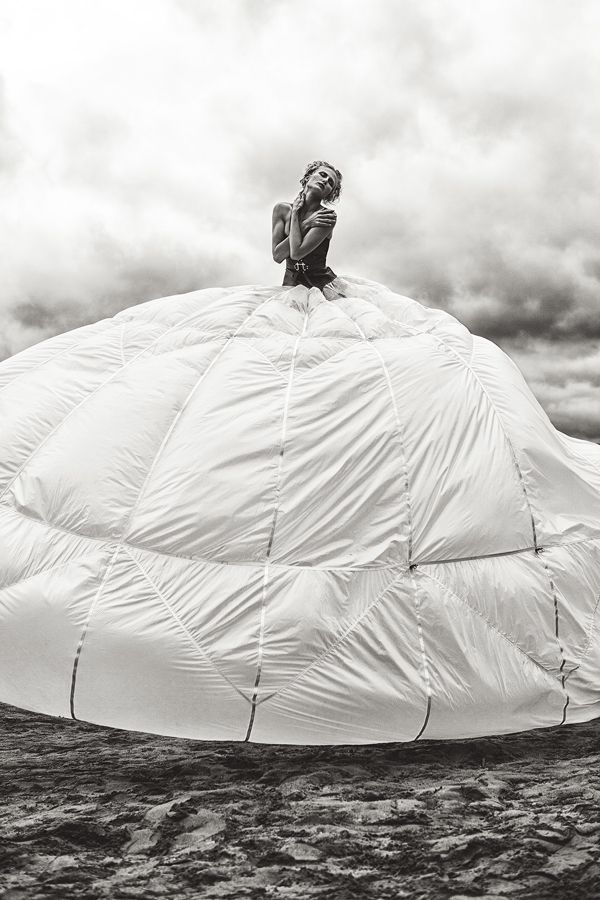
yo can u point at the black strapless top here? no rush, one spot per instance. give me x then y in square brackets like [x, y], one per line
[311, 270]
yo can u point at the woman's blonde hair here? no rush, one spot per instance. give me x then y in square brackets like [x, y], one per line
[315, 164]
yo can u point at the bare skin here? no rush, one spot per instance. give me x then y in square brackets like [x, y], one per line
[299, 227]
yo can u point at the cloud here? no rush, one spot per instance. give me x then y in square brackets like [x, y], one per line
[141, 154]
[567, 383]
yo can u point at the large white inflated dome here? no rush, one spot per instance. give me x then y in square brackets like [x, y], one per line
[266, 514]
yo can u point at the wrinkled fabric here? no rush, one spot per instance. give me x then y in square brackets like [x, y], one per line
[288, 515]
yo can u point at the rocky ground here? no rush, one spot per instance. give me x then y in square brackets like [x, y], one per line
[91, 813]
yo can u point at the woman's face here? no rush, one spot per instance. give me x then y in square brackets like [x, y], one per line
[322, 180]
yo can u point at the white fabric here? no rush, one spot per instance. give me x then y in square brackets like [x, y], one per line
[264, 513]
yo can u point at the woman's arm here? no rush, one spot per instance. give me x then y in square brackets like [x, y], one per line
[280, 244]
[300, 245]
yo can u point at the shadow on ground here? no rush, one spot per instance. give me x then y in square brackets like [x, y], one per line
[92, 812]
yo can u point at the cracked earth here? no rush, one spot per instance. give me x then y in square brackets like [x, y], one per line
[89, 812]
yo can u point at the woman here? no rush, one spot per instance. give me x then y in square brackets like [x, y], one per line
[302, 229]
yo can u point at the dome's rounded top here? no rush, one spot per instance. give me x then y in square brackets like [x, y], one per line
[351, 307]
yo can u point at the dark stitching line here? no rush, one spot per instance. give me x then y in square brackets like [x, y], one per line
[107, 570]
[420, 633]
[282, 439]
[254, 563]
[426, 720]
[459, 559]
[563, 676]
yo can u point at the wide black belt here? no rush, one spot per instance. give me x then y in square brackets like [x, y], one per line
[298, 265]
[300, 272]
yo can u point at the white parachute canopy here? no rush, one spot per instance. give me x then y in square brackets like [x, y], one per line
[266, 514]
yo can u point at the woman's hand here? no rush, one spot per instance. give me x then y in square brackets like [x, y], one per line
[324, 218]
[298, 202]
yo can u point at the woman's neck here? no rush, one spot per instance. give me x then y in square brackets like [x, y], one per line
[312, 201]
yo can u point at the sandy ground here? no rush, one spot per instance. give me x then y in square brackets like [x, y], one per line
[91, 812]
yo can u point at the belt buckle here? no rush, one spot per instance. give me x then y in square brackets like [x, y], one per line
[300, 265]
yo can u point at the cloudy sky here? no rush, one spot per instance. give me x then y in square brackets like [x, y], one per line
[143, 145]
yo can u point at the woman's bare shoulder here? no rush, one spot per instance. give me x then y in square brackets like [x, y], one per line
[281, 209]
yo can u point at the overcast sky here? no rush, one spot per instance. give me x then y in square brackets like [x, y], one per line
[143, 145]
